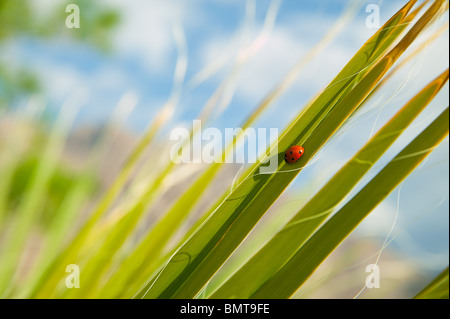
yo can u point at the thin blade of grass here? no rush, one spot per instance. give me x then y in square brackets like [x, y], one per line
[51, 276]
[78, 196]
[28, 210]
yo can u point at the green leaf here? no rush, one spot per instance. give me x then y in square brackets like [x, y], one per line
[200, 257]
[155, 240]
[278, 250]
[437, 289]
[303, 263]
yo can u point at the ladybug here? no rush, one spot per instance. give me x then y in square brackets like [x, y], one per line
[293, 154]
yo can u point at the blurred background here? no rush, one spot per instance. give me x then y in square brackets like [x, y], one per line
[129, 59]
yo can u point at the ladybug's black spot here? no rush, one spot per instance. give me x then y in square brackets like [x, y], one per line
[291, 152]
[299, 152]
[293, 159]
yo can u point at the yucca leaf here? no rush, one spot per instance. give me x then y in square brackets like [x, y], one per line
[194, 263]
[278, 250]
[303, 263]
[383, 43]
[437, 289]
[155, 240]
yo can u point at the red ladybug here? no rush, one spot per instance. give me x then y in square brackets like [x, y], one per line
[293, 154]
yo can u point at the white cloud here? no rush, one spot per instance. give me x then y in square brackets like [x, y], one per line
[287, 44]
[60, 82]
[145, 31]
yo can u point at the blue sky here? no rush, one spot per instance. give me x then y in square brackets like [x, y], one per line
[143, 62]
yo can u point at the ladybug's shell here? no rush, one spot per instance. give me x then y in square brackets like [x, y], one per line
[293, 154]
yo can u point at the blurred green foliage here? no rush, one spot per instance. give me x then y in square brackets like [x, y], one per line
[15, 17]
[59, 186]
[19, 19]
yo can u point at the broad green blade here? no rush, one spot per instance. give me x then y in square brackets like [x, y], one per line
[304, 262]
[437, 289]
[200, 257]
[280, 249]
